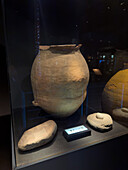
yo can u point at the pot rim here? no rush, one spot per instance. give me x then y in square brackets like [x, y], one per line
[60, 47]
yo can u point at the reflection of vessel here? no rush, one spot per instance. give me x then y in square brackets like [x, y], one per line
[115, 94]
[59, 79]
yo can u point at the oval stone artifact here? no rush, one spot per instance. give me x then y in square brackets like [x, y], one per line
[100, 121]
[121, 115]
[59, 78]
[38, 135]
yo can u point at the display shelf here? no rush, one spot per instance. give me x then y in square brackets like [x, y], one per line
[59, 146]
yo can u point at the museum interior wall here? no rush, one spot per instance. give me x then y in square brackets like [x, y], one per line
[4, 91]
[5, 139]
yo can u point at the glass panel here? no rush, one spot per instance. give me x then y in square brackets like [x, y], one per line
[49, 41]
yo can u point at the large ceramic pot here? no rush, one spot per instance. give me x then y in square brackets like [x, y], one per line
[115, 95]
[59, 78]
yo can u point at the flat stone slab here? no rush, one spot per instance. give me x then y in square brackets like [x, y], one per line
[38, 135]
[100, 121]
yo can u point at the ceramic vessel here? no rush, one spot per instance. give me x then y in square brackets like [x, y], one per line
[59, 78]
[121, 115]
[115, 93]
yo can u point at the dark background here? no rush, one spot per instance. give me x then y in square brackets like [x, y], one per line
[95, 24]
[5, 130]
[84, 22]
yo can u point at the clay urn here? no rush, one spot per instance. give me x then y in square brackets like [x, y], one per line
[59, 78]
[115, 93]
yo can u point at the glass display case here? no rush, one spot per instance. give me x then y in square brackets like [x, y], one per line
[68, 69]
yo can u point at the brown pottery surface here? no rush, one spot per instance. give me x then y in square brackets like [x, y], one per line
[59, 78]
[115, 93]
[121, 115]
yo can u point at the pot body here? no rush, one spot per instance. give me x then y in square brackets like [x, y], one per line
[115, 93]
[59, 78]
